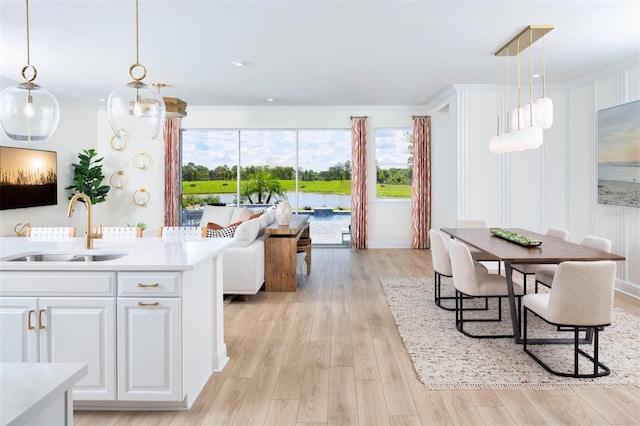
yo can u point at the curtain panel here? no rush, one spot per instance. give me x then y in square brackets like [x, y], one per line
[421, 183]
[172, 204]
[359, 202]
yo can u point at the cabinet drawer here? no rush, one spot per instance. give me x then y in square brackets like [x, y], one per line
[139, 284]
[53, 283]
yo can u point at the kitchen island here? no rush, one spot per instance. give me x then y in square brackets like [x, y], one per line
[145, 315]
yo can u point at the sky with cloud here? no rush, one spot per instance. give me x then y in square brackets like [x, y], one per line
[318, 149]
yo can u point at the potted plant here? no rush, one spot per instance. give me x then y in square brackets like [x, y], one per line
[88, 177]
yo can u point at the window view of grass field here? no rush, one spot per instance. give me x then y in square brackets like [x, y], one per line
[311, 169]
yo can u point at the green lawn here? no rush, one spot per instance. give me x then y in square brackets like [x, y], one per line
[339, 187]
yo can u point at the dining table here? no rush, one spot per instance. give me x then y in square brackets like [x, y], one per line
[551, 250]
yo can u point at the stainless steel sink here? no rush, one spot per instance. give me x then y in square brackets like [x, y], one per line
[65, 257]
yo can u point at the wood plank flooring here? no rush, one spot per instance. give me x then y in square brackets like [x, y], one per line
[331, 354]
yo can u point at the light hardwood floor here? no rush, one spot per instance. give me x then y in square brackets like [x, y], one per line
[331, 354]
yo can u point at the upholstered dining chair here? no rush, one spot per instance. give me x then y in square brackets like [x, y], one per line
[182, 233]
[50, 233]
[442, 268]
[473, 282]
[581, 298]
[544, 275]
[476, 254]
[531, 268]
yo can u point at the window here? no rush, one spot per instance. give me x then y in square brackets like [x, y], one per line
[311, 169]
[394, 158]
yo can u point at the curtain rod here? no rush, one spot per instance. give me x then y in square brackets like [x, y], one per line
[353, 116]
[420, 116]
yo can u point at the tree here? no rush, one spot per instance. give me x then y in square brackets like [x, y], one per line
[262, 185]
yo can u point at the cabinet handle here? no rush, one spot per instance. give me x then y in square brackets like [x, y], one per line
[148, 304]
[140, 285]
[40, 325]
[29, 325]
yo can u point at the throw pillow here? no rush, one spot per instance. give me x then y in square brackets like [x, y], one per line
[215, 226]
[255, 215]
[226, 232]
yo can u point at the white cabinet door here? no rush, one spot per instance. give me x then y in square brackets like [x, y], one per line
[149, 349]
[18, 329]
[82, 329]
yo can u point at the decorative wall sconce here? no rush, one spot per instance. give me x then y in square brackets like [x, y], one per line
[118, 144]
[141, 198]
[524, 130]
[142, 161]
[27, 111]
[119, 180]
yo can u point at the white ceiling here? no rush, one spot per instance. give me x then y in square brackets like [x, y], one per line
[304, 53]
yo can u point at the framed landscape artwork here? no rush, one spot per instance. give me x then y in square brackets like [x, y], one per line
[619, 155]
[28, 178]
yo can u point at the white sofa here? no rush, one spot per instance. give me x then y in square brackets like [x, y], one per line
[243, 261]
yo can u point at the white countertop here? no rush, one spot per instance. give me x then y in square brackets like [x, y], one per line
[141, 254]
[27, 388]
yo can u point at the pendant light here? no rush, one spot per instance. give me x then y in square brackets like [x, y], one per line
[27, 111]
[531, 134]
[544, 105]
[524, 127]
[135, 111]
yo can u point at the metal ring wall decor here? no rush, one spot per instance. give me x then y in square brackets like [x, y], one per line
[141, 198]
[119, 180]
[118, 144]
[142, 161]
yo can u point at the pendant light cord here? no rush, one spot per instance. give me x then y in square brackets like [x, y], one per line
[137, 42]
[28, 51]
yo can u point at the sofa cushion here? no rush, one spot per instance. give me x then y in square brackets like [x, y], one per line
[226, 232]
[246, 233]
[217, 214]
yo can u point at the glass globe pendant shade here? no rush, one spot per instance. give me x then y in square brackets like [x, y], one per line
[136, 112]
[28, 112]
[532, 137]
[544, 113]
[494, 144]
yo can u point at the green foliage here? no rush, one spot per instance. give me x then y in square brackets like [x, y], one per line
[88, 177]
[140, 225]
[261, 187]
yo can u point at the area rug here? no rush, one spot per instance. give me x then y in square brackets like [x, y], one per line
[444, 358]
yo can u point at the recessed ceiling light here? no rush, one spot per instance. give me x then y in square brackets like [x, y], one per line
[237, 63]
[536, 76]
[270, 100]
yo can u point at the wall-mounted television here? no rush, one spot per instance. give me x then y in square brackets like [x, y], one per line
[619, 155]
[28, 178]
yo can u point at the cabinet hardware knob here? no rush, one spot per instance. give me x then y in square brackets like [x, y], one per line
[41, 326]
[29, 325]
[148, 304]
[140, 285]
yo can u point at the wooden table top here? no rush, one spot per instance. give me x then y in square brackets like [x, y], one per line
[297, 223]
[552, 250]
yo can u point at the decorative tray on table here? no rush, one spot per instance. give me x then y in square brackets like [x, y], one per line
[514, 237]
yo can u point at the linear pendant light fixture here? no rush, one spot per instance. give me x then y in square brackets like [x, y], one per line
[27, 111]
[524, 130]
[135, 111]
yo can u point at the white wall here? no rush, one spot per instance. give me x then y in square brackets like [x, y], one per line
[76, 131]
[555, 186]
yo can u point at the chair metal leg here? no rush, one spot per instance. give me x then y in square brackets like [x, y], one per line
[599, 369]
[460, 317]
